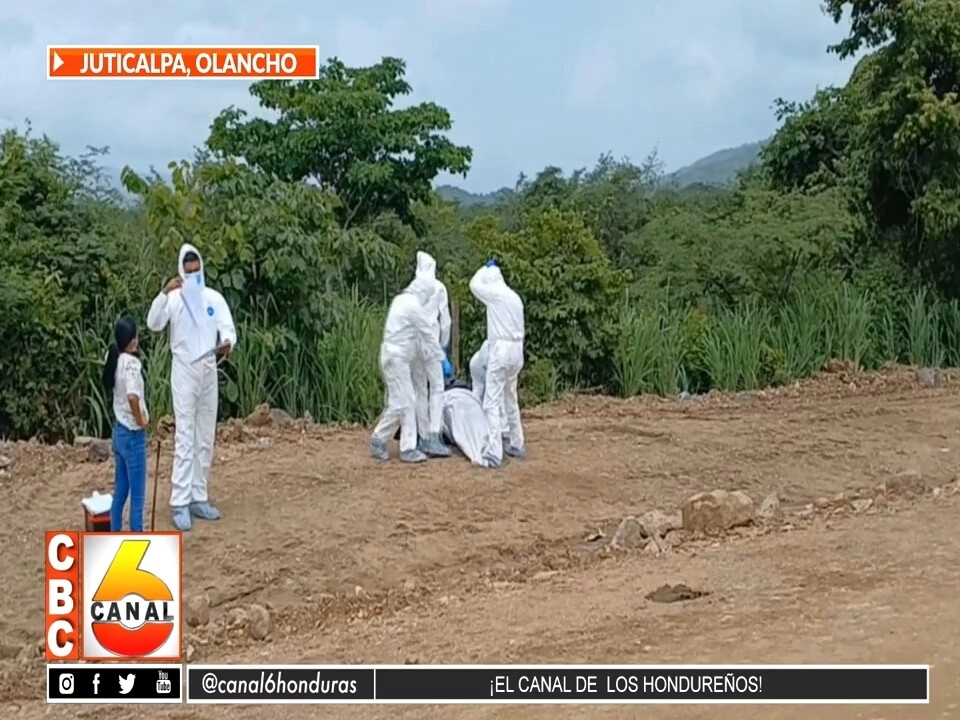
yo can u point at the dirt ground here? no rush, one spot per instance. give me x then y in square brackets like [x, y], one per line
[361, 562]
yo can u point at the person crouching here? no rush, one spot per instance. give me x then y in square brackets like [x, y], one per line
[123, 381]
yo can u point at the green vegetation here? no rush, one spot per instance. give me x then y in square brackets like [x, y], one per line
[840, 243]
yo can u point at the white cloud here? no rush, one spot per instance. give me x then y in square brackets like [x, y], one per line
[594, 74]
[692, 76]
[160, 120]
[462, 13]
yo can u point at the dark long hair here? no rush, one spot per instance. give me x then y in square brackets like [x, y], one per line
[123, 332]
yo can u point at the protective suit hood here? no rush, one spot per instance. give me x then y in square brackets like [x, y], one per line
[426, 266]
[184, 249]
[422, 289]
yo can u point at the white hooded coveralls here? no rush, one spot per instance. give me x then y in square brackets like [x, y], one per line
[428, 385]
[408, 331]
[505, 334]
[195, 315]
[478, 378]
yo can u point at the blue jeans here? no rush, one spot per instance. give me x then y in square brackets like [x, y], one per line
[130, 476]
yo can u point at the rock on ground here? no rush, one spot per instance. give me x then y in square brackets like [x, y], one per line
[928, 377]
[99, 451]
[281, 418]
[260, 416]
[197, 611]
[236, 618]
[674, 593]
[652, 525]
[717, 510]
[860, 505]
[675, 538]
[653, 547]
[655, 523]
[260, 623]
[628, 534]
[909, 483]
[770, 507]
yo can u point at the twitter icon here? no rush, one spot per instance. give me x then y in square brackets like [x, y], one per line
[126, 683]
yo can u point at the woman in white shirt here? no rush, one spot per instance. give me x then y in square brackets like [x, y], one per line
[123, 381]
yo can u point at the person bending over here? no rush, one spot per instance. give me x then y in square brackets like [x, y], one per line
[408, 338]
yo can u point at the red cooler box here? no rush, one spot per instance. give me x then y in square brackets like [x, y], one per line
[96, 512]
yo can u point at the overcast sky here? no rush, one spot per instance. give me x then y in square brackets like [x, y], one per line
[529, 83]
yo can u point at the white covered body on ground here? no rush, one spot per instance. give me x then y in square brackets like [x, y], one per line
[465, 424]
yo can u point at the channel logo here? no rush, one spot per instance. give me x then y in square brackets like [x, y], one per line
[112, 595]
[132, 596]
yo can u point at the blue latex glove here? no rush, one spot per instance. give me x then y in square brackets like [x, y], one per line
[447, 368]
[491, 263]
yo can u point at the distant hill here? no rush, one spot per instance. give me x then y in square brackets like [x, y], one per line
[720, 168]
[451, 193]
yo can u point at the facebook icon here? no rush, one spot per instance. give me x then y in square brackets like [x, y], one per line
[96, 684]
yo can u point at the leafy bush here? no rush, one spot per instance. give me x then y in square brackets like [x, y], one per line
[569, 289]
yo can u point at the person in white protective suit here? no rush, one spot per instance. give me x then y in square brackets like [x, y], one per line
[428, 383]
[505, 335]
[201, 332]
[478, 379]
[408, 337]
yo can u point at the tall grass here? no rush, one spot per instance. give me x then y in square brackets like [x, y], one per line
[754, 345]
[849, 319]
[950, 321]
[252, 374]
[798, 334]
[155, 354]
[334, 377]
[923, 331]
[649, 352]
[345, 375]
[732, 347]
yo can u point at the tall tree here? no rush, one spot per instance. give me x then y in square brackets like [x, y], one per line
[893, 133]
[344, 132]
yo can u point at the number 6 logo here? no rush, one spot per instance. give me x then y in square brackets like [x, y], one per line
[133, 612]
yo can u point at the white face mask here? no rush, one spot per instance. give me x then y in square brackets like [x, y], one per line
[192, 291]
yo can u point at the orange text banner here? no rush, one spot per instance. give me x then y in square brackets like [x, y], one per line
[184, 62]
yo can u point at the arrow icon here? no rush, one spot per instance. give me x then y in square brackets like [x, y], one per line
[57, 61]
